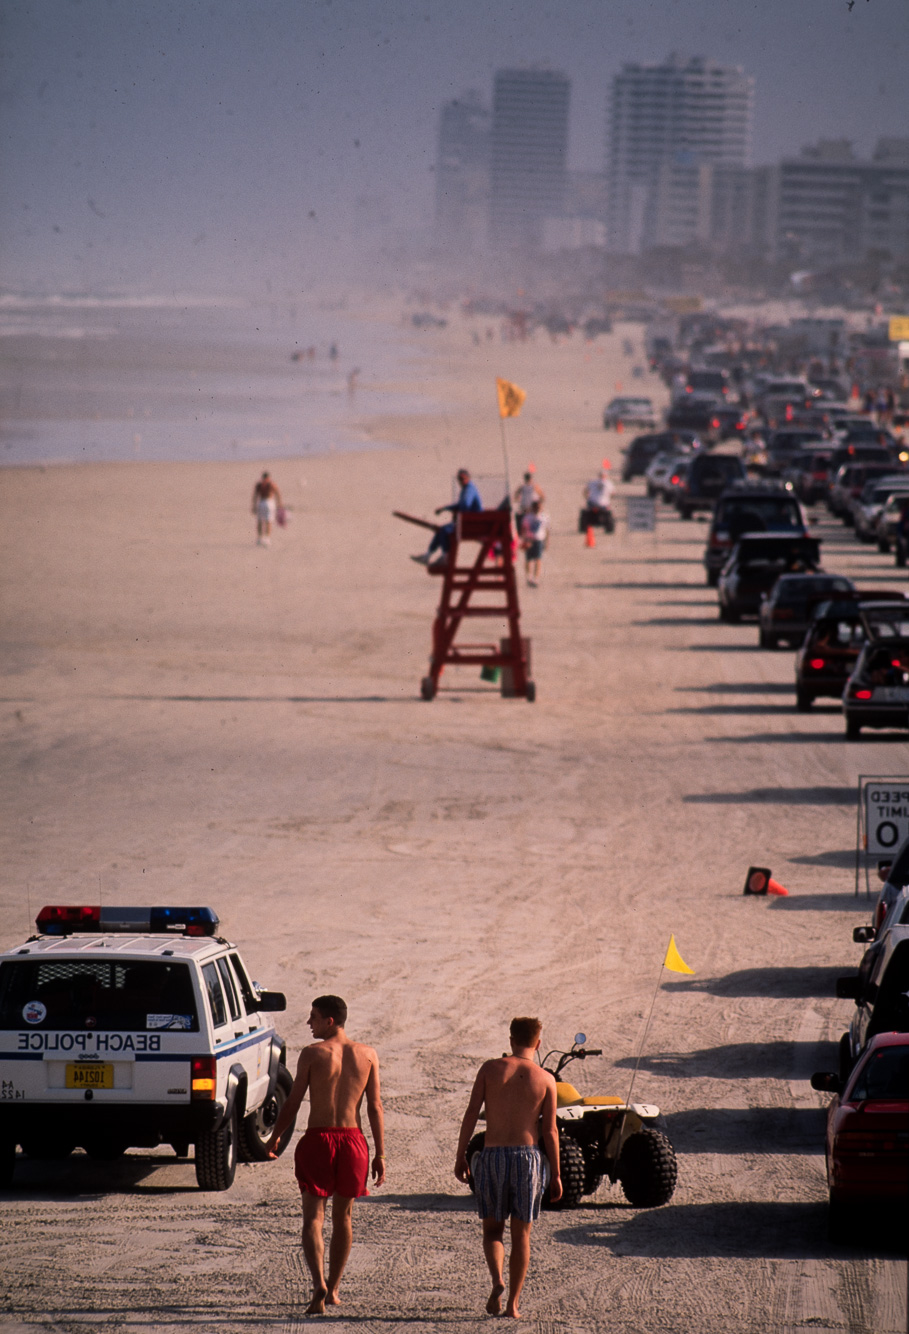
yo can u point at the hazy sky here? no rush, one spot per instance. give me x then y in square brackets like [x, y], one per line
[181, 142]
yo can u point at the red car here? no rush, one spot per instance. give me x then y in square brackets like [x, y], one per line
[867, 1146]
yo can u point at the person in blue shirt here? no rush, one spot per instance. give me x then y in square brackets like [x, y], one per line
[468, 499]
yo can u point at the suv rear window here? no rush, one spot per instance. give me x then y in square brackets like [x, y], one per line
[104, 995]
[759, 514]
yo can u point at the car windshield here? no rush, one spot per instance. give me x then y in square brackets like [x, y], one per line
[99, 994]
[884, 1075]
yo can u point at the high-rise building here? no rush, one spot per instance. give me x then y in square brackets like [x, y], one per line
[529, 155]
[462, 174]
[666, 123]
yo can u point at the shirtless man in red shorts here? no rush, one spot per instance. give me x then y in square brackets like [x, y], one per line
[332, 1158]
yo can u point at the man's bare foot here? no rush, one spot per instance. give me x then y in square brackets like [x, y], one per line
[332, 1298]
[317, 1305]
[494, 1305]
[512, 1312]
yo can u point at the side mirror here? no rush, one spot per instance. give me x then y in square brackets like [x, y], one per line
[580, 1038]
[847, 988]
[863, 934]
[272, 1000]
[826, 1081]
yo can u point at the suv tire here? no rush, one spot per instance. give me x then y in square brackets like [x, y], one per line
[216, 1155]
[647, 1168]
[256, 1129]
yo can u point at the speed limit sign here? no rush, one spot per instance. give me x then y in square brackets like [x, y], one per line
[886, 815]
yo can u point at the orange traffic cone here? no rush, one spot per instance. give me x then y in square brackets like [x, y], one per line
[620, 426]
[760, 881]
[590, 540]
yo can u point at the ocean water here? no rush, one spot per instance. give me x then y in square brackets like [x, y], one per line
[87, 378]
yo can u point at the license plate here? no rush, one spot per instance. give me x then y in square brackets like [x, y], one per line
[93, 1076]
[892, 694]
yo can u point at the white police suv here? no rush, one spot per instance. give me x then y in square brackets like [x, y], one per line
[126, 1027]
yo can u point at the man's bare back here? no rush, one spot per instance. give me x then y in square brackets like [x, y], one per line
[336, 1072]
[514, 1090]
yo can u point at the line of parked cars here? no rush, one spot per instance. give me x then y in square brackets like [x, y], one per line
[867, 1134]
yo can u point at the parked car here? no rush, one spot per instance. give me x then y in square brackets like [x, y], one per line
[701, 380]
[757, 561]
[629, 410]
[897, 527]
[831, 646]
[661, 470]
[698, 414]
[809, 472]
[867, 1136]
[891, 513]
[750, 508]
[786, 443]
[644, 449]
[877, 692]
[787, 611]
[847, 484]
[705, 480]
[881, 995]
[867, 508]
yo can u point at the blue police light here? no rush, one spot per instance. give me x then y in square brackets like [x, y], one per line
[64, 920]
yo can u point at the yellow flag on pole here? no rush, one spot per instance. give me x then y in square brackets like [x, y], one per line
[511, 398]
[674, 961]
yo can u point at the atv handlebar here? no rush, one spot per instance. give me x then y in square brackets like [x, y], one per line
[576, 1054]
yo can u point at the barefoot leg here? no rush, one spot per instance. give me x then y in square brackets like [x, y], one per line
[518, 1264]
[314, 1249]
[339, 1247]
[494, 1251]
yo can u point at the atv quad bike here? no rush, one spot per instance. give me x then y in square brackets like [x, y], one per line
[603, 1136]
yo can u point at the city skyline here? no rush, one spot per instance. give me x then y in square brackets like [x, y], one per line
[180, 145]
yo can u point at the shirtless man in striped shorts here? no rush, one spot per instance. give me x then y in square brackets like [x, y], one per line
[520, 1101]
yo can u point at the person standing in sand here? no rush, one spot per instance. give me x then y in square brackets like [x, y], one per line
[265, 501]
[520, 1101]
[332, 1157]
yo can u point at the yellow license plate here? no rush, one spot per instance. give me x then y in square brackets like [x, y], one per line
[93, 1076]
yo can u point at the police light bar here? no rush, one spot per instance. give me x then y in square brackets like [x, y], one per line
[65, 919]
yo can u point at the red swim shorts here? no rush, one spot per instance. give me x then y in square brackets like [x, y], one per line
[332, 1162]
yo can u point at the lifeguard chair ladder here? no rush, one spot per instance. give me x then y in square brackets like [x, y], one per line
[492, 572]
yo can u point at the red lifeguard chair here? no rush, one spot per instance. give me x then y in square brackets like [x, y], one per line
[466, 590]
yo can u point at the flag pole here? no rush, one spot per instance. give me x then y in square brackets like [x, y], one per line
[644, 1035]
[505, 457]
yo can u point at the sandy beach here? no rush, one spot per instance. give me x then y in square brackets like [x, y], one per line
[188, 717]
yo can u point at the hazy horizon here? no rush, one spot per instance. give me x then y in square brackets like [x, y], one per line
[227, 146]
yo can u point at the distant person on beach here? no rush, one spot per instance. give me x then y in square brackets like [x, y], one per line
[598, 492]
[525, 495]
[520, 1101]
[265, 501]
[535, 528]
[468, 499]
[332, 1157]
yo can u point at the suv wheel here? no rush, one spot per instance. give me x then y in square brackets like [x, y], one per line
[216, 1155]
[255, 1132]
[853, 729]
[803, 699]
[7, 1162]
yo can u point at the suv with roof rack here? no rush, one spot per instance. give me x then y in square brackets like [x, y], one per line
[134, 1027]
[750, 507]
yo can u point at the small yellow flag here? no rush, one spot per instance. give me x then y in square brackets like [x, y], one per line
[511, 398]
[674, 961]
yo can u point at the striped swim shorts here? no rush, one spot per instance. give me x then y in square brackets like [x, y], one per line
[509, 1182]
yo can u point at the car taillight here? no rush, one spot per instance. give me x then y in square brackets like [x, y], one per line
[783, 613]
[204, 1078]
[674, 480]
[817, 664]
[861, 1141]
[715, 423]
[859, 694]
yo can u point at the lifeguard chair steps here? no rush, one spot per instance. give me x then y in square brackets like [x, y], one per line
[485, 588]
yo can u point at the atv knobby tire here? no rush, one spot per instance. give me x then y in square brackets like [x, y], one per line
[571, 1170]
[647, 1168]
[474, 1146]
